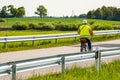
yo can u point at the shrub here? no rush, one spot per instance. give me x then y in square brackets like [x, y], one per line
[108, 27]
[41, 23]
[116, 27]
[66, 27]
[2, 20]
[74, 26]
[92, 22]
[61, 26]
[102, 27]
[46, 26]
[33, 26]
[19, 26]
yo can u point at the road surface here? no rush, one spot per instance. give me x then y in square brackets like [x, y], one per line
[35, 53]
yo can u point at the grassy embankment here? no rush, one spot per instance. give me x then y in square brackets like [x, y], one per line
[109, 71]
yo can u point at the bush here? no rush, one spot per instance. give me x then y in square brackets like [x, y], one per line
[33, 26]
[108, 27]
[41, 23]
[2, 20]
[61, 26]
[46, 26]
[19, 26]
[66, 27]
[74, 26]
[102, 27]
[92, 22]
[116, 27]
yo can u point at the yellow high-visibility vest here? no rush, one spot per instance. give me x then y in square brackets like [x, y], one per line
[84, 31]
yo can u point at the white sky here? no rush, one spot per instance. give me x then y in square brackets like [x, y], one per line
[60, 7]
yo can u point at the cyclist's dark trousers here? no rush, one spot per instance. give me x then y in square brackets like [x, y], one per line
[89, 43]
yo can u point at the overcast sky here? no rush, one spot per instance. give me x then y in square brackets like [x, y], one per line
[60, 7]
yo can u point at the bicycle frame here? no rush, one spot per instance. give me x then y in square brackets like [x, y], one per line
[83, 44]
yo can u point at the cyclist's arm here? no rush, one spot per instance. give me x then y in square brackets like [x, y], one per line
[78, 31]
[91, 32]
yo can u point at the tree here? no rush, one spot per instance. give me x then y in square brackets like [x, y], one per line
[21, 12]
[14, 12]
[90, 14]
[98, 13]
[115, 13]
[83, 16]
[41, 11]
[109, 13]
[10, 11]
[117, 16]
[106, 13]
[3, 12]
[104, 10]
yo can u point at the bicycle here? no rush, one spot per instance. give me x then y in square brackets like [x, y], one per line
[84, 47]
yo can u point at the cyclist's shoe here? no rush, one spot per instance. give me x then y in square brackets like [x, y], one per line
[90, 49]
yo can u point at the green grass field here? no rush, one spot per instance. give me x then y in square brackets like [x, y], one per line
[10, 21]
[109, 71]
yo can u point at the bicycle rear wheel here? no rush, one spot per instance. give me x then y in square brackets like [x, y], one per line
[83, 44]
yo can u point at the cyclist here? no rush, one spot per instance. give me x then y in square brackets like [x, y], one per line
[85, 32]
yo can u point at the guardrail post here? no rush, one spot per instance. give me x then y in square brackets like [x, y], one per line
[75, 39]
[97, 59]
[106, 35]
[13, 71]
[5, 43]
[118, 33]
[33, 42]
[63, 64]
[56, 41]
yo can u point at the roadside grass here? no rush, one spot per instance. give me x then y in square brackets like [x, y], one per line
[29, 32]
[26, 45]
[108, 71]
[15, 46]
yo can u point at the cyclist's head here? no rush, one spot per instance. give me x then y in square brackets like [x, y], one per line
[84, 21]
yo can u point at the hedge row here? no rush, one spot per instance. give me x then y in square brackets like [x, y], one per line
[102, 27]
[2, 20]
[60, 26]
[45, 26]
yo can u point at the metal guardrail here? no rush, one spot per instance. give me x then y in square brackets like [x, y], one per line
[43, 62]
[32, 38]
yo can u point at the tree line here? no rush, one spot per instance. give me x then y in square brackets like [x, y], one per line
[11, 11]
[105, 13]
